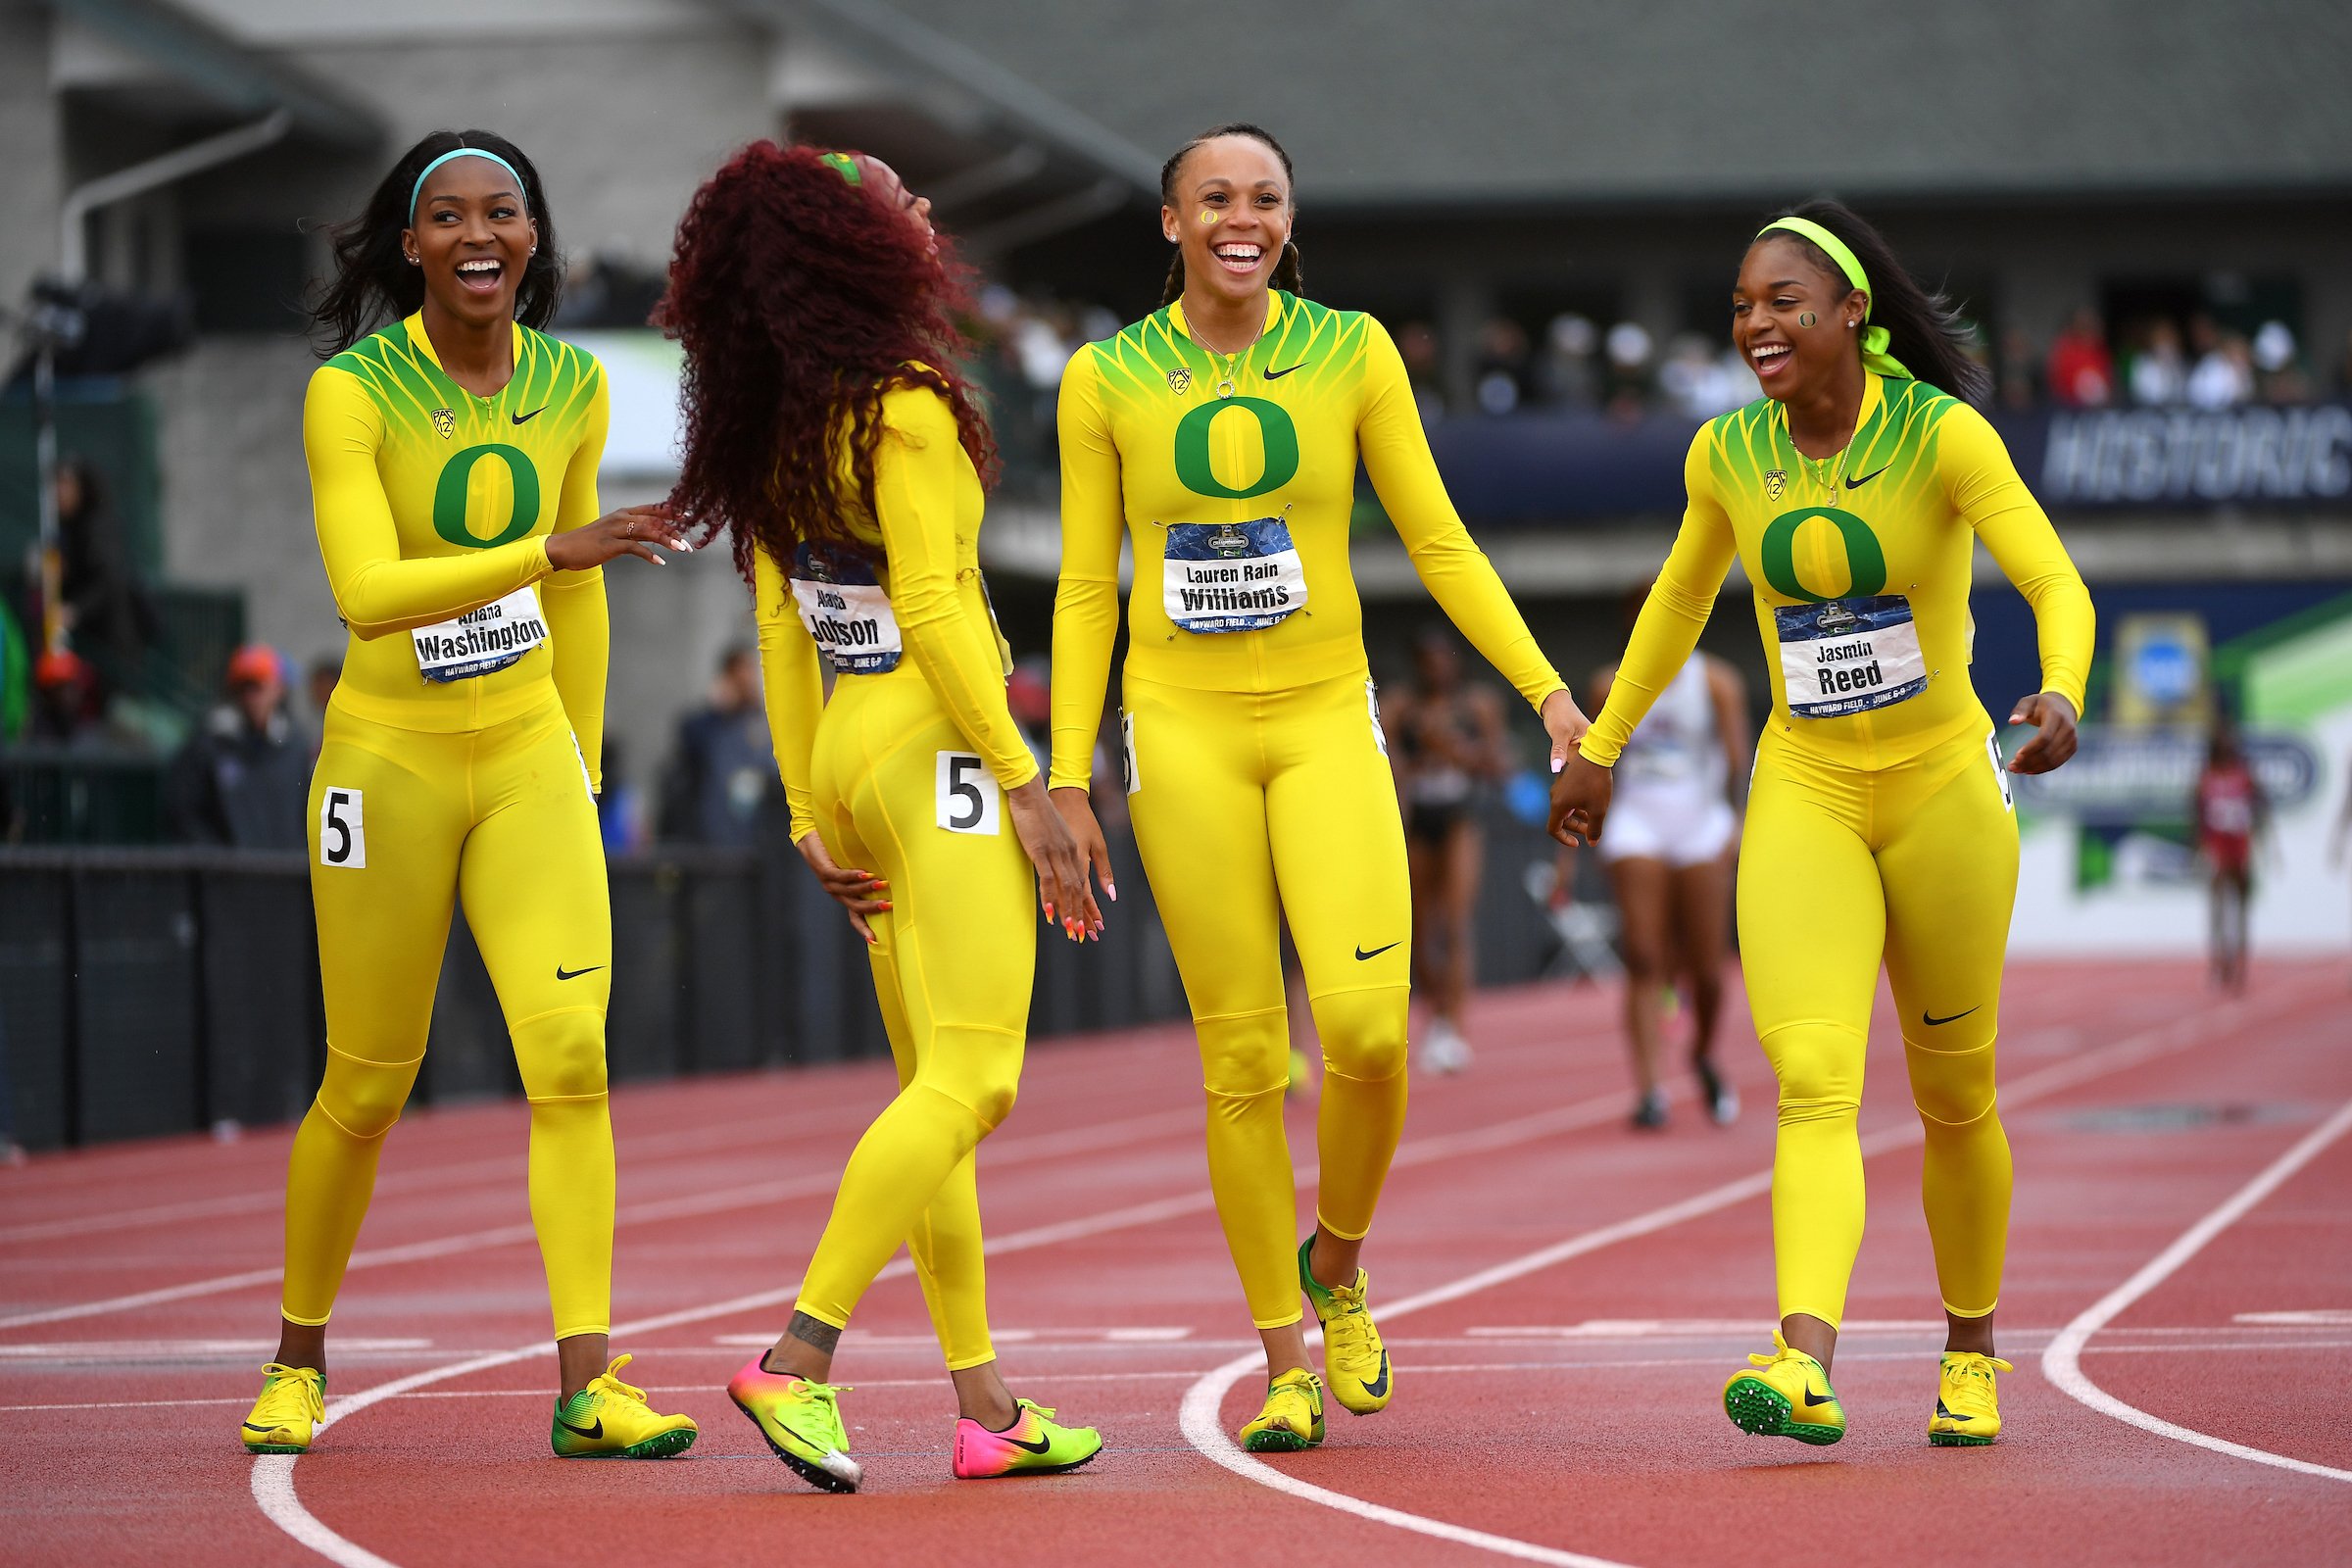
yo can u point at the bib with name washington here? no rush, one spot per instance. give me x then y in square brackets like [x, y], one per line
[847, 613]
[1232, 577]
[1848, 656]
[482, 640]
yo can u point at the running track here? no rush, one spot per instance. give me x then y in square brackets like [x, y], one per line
[1562, 1296]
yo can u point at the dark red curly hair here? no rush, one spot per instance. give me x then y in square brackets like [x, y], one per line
[800, 300]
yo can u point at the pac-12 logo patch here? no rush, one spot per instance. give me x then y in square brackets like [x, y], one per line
[444, 421]
[1776, 481]
[1180, 379]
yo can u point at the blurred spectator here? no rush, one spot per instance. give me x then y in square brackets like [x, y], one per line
[1702, 383]
[2081, 372]
[1424, 368]
[607, 289]
[1028, 693]
[619, 810]
[2159, 370]
[1502, 359]
[1629, 348]
[2223, 377]
[107, 614]
[65, 702]
[2278, 371]
[723, 764]
[2014, 375]
[243, 779]
[1565, 376]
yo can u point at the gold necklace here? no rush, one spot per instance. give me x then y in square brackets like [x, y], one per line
[1225, 386]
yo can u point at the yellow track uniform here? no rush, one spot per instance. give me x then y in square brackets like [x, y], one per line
[902, 774]
[1879, 824]
[452, 766]
[1255, 758]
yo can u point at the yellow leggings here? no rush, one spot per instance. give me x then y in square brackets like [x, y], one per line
[952, 968]
[403, 822]
[1248, 806]
[1916, 863]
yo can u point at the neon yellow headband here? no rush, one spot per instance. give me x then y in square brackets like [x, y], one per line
[844, 165]
[1875, 338]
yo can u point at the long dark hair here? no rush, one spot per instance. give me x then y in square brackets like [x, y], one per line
[1287, 272]
[1925, 330]
[800, 301]
[373, 282]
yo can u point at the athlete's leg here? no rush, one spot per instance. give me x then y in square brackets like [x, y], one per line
[1425, 871]
[1338, 856]
[1949, 867]
[962, 940]
[383, 876]
[1200, 813]
[1702, 920]
[532, 878]
[1645, 937]
[1812, 927]
[1465, 866]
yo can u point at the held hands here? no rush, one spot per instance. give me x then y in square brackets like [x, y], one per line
[861, 892]
[1566, 723]
[630, 531]
[2054, 716]
[1580, 800]
[1062, 864]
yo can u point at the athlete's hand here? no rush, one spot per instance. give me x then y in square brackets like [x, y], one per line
[1077, 809]
[1580, 799]
[1061, 866]
[1566, 723]
[2054, 717]
[861, 892]
[630, 531]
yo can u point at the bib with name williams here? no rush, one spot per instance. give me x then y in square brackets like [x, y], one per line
[1861, 567]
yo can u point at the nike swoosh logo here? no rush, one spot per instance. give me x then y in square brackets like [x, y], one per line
[1041, 1448]
[1361, 955]
[1276, 375]
[1945, 1411]
[1856, 484]
[264, 1430]
[1930, 1020]
[596, 1431]
[1376, 1390]
[563, 973]
[1814, 1403]
[525, 418]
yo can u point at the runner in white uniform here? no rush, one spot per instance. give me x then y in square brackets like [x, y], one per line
[1669, 855]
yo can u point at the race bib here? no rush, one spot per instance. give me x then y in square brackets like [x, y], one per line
[847, 613]
[482, 640]
[1850, 656]
[1232, 577]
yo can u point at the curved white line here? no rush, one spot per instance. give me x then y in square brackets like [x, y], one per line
[2061, 1359]
[1199, 1418]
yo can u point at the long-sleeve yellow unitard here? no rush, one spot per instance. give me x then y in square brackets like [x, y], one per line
[902, 773]
[457, 763]
[1255, 768]
[1879, 824]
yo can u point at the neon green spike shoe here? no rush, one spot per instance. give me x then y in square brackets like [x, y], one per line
[609, 1419]
[1790, 1398]
[1033, 1446]
[800, 1421]
[1353, 1357]
[1967, 1407]
[1292, 1418]
[293, 1402]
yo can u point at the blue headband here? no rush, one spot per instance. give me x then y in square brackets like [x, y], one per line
[416, 190]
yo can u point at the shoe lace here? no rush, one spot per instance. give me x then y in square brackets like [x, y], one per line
[1971, 1376]
[288, 1390]
[1348, 1324]
[609, 1380]
[1044, 1412]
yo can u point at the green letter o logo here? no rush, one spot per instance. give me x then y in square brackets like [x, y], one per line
[1274, 430]
[1865, 562]
[449, 497]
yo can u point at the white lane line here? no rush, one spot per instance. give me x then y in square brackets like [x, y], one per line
[2061, 1361]
[274, 1474]
[1014, 1151]
[1199, 1414]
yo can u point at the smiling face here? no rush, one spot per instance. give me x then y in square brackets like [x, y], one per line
[1781, 283]
[1231, 217]
[882, 183]
[472, 236]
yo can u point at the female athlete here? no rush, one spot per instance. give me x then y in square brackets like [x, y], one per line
[453, 460]
[824, 434]
[1879, 823]
[1221, 433]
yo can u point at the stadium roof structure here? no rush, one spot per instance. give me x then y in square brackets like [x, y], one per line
[1543, 103]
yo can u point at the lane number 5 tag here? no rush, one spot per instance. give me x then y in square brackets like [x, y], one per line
[342, 830]
[968, 797]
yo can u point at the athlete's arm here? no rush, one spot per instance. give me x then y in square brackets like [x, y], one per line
[1456, 571]
[1991, 498]
[917, 466]
[377, 592]
[792, 687]
[1086, 601]
[577, 626]
[1673, 616]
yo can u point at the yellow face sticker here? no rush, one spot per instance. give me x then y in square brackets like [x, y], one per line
[1210, 216]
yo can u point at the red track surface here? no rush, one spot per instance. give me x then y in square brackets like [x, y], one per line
[1571, 1407]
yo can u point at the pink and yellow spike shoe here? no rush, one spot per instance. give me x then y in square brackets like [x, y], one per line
[1033, 1446]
